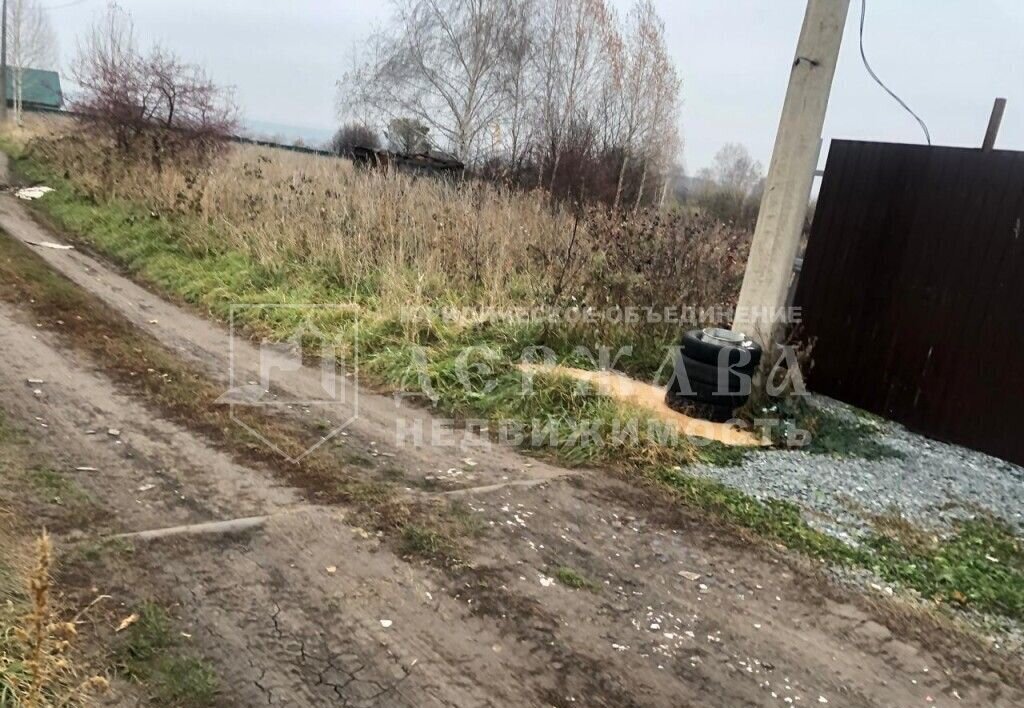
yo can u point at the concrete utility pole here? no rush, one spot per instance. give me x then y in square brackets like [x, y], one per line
[760, 310]
[3, 64]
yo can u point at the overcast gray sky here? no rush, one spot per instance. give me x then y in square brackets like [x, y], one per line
[946, 58]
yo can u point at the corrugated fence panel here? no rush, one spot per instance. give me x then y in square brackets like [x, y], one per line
[912, 289]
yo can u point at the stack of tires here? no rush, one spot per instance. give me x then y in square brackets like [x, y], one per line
[713, 371]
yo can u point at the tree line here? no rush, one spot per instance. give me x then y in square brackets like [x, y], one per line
[560, 94]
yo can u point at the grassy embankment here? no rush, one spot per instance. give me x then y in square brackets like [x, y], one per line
[205, 255]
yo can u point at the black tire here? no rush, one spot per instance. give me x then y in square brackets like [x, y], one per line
[710, 395]
[697, 348]
[706, 373]
[698, 409]
[706, 393]
[718, 414]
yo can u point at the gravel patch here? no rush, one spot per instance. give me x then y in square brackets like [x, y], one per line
[934, 485]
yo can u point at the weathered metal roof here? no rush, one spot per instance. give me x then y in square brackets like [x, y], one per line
[39, 87]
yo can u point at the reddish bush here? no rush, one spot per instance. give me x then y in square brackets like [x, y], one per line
[151, 105]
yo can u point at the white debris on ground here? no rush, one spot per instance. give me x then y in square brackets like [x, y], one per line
[51, 244]
[932, 484]
[30, 193]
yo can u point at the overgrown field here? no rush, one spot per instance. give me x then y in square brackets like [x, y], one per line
[269, 227]
[449, 284]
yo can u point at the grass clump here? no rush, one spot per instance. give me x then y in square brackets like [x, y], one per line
[821, 430]
[424, 542]
[980, 566]
[91, 551]
[845, 436]
[55, 487]
[437, 534]
[38, 662]
[25, 480]
[150, 654]
[773, 519]
[572, 578]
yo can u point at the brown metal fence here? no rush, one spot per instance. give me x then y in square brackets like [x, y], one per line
[912, 288]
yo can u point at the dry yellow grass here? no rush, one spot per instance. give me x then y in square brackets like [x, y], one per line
[35, 667]
[414, 238]
[414, 241]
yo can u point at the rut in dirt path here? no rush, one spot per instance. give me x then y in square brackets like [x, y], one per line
[260, 604]
[377, 630]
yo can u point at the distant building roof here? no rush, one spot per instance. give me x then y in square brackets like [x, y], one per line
[432, 161]
[39, 88]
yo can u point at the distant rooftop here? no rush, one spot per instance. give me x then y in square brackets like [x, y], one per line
[40, 88]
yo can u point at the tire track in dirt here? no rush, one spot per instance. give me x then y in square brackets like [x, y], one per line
[254, 599]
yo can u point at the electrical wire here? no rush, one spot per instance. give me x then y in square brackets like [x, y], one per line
[863, 56]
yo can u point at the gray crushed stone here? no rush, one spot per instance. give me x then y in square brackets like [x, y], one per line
[935, 485]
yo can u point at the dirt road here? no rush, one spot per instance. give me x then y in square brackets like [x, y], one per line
[301, 607]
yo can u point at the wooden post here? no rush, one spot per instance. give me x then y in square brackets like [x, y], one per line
[993, 124]
[762, 301]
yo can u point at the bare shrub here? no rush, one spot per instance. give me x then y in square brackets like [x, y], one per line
[660, 260]
[151, 105]
[647, 276]
[353, 135]
[586, 171]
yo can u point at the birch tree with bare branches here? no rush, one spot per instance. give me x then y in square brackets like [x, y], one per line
[574, 36]
[526, 85]
[438, 64]
[32, 43]
[646, 87]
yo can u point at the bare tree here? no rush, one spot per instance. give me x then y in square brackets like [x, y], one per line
[645, 95]
[439, 63]
[734, 168]
[32, 43]
[152, 100]
[550, 91]
[573, 36]
[408, 136]
[516, 123]
[731, 188]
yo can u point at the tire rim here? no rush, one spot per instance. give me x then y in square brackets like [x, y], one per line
[725, 337]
